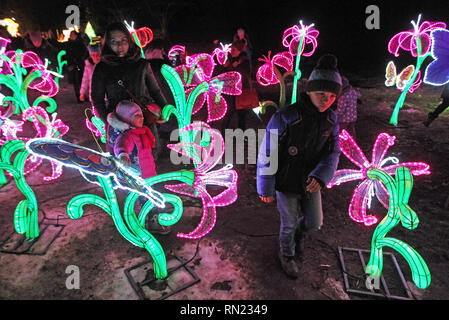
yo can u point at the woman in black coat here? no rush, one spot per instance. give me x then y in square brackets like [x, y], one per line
[121, 59]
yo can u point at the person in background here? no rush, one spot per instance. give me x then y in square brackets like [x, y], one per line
[76, 54]
[35, 42]
[237, 61]
[347, 107]
[440, 108]
[122, 74]
[304, 139]
[89, 66]
[242, 35]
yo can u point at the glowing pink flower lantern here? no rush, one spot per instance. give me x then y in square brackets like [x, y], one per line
[204, 176]
[292, 38]
[222, 54]
[45, 128]
[266, 74]
[199, 68]
[368, 188]
[145, 36]
[176, 50]
[406, 40]
[297, 39]
[46, 84]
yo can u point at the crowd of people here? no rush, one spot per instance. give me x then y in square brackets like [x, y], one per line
[128, 93]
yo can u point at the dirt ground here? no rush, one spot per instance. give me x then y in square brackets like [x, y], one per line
[238, 259]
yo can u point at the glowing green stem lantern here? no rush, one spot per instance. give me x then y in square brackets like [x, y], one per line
[400, 102]
[61, 64]
[297, 71]
[399, 211]
[130, 226]
[19, 86]
[26, 214]
[184, 107]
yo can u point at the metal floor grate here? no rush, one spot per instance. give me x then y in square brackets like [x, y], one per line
[18, 244]
[179, 277]
[384, 290]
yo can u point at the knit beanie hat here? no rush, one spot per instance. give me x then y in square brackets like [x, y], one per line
[126, 110]
[325, 76]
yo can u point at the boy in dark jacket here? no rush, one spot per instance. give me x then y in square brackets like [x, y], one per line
[304, 136]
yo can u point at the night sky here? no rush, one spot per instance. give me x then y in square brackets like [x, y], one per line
[341, 23]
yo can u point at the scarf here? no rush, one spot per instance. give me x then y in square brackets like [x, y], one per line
[144, 152]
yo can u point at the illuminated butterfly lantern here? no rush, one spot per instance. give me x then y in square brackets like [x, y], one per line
[437, 72]
[401, 80]
[418, 42]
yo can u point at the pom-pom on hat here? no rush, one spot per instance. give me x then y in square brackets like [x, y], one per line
[325, 76]
[126, 110]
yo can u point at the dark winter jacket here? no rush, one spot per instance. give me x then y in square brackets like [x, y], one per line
[243, 67]
[76, 54]
[307, 146]
[137, 77]
[44, 51]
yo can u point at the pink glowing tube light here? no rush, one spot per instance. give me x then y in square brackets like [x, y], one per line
[266, 74]
[407, 40]
[176, 50]
[296, 39]
[199, 68]
[292, 37]
[204, 176]
[45, 128]
[222, 54]
[361, 198]
[145, 36]
[46, 84]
